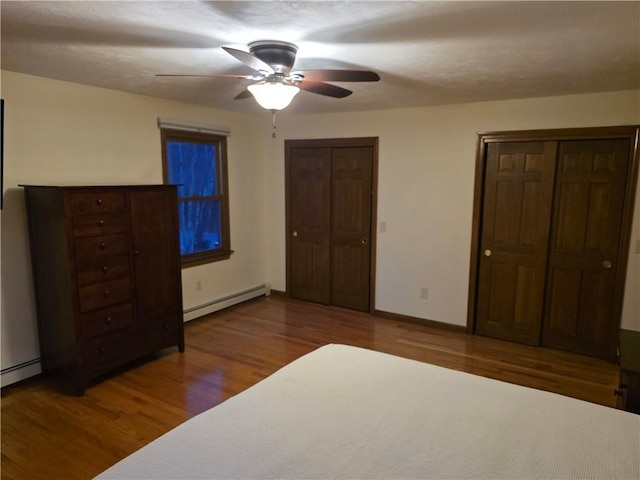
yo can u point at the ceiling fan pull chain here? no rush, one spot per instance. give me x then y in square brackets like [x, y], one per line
[273, 135]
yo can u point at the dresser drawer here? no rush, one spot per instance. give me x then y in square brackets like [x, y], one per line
[97, 202]
[103, 353]
[106, 320]
[104, 294]
[105, 245]
[102, 224]
[103, 270]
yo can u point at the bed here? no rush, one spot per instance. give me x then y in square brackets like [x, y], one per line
[343, 412]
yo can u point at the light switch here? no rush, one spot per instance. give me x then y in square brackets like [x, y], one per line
[383, 227]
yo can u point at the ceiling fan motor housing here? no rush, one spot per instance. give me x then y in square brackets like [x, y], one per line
[280, 55]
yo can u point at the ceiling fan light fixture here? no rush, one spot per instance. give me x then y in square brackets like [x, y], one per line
[273, 95]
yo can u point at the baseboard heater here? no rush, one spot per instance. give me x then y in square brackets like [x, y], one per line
[224, 302]
[24, 370]
[18, 372]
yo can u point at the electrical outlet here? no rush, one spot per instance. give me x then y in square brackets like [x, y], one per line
[424, 293]
[198, 286]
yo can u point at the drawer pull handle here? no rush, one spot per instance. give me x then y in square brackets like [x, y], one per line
[107, 293]
[107, 320]
[101, 223]
[103, 246]
[99, 201]
[105, 269]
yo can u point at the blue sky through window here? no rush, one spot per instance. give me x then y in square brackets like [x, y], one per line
[193, 167]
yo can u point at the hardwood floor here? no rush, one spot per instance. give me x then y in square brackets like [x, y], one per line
[46, 433]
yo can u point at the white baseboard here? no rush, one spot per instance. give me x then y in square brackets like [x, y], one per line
[20, 372]
[224, 302]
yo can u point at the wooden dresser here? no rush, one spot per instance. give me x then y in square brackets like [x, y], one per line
[106, 268]
[628, 390]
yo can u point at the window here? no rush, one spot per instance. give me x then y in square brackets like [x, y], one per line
[197, 162]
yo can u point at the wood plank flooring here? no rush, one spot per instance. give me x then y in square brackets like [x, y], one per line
[47, 434]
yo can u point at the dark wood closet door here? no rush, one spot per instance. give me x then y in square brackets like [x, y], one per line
[351, 227]
[515, 230]
[309, 185]
[155, 246]
[585, 241]
[330, 202]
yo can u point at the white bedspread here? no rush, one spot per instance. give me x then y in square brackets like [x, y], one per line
[346, 412]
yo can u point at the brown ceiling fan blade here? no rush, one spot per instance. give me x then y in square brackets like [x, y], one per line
[338, 75]
[324, 89]
[243, 77]
[243, 94]
[249, 60]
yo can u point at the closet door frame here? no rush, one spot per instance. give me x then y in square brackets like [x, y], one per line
[631, 132]
[336, 143]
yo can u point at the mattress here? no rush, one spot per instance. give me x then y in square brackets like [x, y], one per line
[343, 412]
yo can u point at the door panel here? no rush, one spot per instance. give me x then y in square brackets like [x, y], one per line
[585, 237]
[157, 285]
[351, 226]
[514, 239]
[310, 222]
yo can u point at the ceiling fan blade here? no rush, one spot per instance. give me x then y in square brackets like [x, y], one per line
[324, 89]
[249, 60]
[243, 94]
[338, 75]
[243, 77]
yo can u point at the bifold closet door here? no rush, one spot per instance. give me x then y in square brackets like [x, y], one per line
[351, 169]
[585, 241]
[518, 193]
[330, 207]
[550, 238]
[309, 184]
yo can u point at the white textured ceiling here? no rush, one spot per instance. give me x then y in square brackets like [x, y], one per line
[426, 52]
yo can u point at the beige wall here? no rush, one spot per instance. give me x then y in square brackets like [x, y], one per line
[58, 132]
[425, 195]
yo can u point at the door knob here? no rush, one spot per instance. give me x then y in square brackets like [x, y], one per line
[364, 241]
[487, 253]
[607, 264]
[295, 233]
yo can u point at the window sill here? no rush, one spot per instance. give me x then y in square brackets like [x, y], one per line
[196, 259]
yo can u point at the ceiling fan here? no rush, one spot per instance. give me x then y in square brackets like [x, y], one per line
[276, 81]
